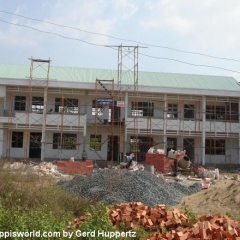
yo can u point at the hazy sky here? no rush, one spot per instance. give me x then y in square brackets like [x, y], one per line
[209, 27]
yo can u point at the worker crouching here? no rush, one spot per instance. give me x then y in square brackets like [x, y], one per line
[129, 159]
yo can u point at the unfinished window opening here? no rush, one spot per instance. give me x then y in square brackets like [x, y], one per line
[142, 109]
[215, 146]
[20, 103]
[232, 111]
[216, 112]
[17, 139]
[97, 109]
[189, 111]
[64, 141]
[66, 105]
[171, 144]
[95, 142]
[134, 144]
[37, 104]
[172, 110]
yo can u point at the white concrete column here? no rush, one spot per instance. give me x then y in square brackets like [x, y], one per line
[203, 130]
[125, 125]
[85, 124]
[165, 123]
[84, 135]
[44, 125]
[3, 102]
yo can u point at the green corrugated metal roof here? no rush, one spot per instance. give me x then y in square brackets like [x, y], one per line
[159, 79]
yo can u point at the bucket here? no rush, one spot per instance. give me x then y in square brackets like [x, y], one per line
[149, 168]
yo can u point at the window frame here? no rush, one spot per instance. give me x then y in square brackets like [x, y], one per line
[189, 111]
[68, 141]
[215, 146]
[216, 112]
[66, 105]
[171, 144]
[97, 109]
[142, 109]
[134, 144]
[17, 139]
[172, 110]
[20, 103]
[37, 104]
[95, 142]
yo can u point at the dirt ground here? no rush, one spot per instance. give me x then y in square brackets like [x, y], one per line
[222, 197]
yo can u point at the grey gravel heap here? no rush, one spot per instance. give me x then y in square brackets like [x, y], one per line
[121, 186]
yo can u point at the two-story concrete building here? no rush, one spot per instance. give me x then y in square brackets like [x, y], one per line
[56, 112]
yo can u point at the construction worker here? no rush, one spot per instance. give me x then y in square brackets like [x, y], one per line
[129, 160]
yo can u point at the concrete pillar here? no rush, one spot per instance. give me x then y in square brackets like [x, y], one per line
[125, 125]
[203, 130]
[85, 124]
[3, 101]
[44, 125]
[165, 123]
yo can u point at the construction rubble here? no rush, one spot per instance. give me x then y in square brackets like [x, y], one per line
[41, 169]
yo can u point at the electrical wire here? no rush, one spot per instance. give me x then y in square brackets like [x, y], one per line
[192, 64]
[56, 34]
[123, 39]
[101, 45]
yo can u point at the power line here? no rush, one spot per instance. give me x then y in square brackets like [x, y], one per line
[192, 64]
[56, 34]
[123, 39]
[101, 45]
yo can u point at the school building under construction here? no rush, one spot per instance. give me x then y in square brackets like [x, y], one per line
[54, 113]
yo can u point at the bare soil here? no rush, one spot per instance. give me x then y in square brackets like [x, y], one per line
[223, 197]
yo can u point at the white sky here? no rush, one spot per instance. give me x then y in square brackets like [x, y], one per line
[210, 27]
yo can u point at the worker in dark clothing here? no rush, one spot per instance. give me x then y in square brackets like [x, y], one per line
[175, 167]
[128, 160]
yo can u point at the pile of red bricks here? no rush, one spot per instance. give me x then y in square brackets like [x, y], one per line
[160, 162]
[174, 224]
[135, 214]
[73, 168]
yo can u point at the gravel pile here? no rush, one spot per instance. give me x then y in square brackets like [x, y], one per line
[121, 186]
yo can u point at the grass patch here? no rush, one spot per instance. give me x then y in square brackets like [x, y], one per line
[30, 202]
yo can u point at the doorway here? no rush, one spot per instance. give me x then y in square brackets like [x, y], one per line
[35, 145]
[188, 145]
[113, 148]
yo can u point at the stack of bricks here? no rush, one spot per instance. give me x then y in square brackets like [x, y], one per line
[136, 214]
[74, 168]
[167, 224]
[160, 162]
[174, 224]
